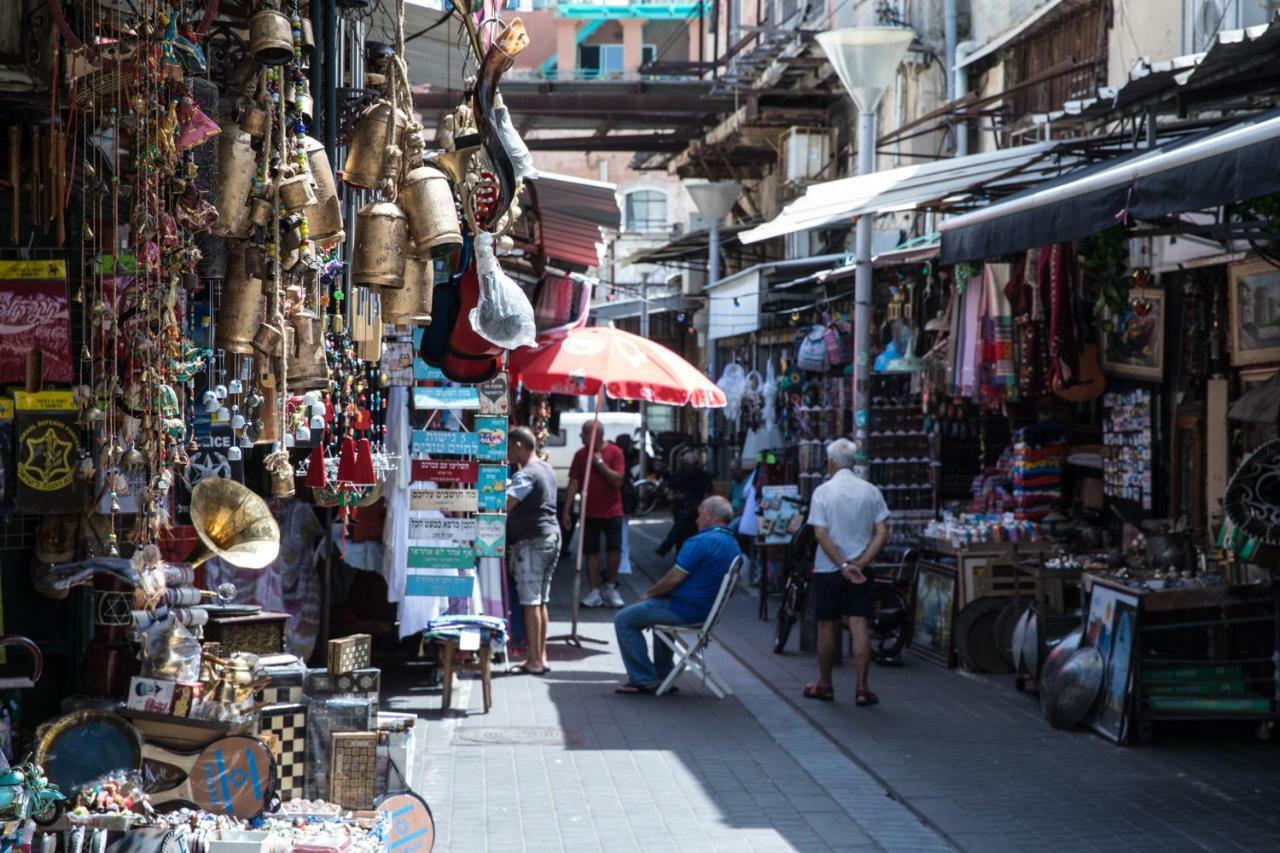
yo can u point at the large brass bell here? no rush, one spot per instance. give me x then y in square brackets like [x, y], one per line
[271, 37]
[382, 234]
[240, 311]
[268, 340]
[378, 127]
[427, 200]
[236, 169]
[234, 524]
[308, 368]
[324, 216]
[410, 305]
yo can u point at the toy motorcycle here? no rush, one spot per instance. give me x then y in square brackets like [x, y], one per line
[26, 793]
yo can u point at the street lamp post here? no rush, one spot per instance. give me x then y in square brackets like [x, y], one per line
[714, 199]
[866, 60]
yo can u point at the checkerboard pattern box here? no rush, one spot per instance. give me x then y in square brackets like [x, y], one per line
[348, 654]
[353, 764]
[287, 724]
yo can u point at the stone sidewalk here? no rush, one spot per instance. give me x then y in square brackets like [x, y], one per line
[946, 761]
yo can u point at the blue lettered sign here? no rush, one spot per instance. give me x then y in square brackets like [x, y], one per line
[438, 586]
[492, 432]
[492, 488]
[448, 442]
[441, 557]
[458, 397]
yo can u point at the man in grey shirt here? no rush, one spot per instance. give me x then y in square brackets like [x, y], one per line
[533, 542]
[851, 523]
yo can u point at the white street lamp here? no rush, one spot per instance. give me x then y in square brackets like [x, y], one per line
[866, 59]
[714, 200]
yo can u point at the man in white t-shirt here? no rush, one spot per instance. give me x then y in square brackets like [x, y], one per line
[851, 523]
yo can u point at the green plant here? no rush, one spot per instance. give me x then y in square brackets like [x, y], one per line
[1106, 258]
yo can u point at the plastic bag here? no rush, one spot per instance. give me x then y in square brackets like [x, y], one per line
[170, 652]
[733, 382]
[521, 158]
[503, 316]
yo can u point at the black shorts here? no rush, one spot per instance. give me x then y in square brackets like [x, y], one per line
[834, 596]
[610, 529]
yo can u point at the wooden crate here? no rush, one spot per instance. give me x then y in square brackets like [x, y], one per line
[259, 634]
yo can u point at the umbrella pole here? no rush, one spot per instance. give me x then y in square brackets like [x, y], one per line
[572, 637]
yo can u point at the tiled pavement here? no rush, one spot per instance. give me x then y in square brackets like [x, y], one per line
[589, 770]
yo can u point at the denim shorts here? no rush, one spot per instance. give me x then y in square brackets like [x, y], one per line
[533, 562]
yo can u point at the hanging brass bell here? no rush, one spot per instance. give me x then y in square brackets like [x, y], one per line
[237, 167]
[308, 38]
[296, 192]
[308, 367]
[260, 212]
[382, 235]
[255, 121]
[324, 216]
[410, 305]
[240, 310]
[378, 128]
[268, 340]
[271, 37]
[427, 199]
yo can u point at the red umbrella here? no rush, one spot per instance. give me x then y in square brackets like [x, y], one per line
[628, 366]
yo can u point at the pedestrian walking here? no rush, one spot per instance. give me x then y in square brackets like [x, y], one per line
[689, 485]
[602, 515]
[851, 523]
[533, 542]
[682, 596]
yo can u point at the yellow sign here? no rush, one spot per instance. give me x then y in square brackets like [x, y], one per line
[33, 270]
[6, 410]
[44, 401]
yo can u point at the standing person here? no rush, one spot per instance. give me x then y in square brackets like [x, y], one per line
[689, 486]
[629, 499]
[681, 596]
[602, 515]
[851, 523]
[533, 542]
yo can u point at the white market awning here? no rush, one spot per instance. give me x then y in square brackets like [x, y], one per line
[953, 180]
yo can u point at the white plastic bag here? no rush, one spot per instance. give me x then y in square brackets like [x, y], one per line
[503, 315]
[733, 382]
[516, 149]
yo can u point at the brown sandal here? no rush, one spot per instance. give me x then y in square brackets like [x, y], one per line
[816, 691]
[865, 698]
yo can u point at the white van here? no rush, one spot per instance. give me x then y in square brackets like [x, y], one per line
[562, 445]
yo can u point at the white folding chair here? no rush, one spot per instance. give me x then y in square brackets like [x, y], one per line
[687, 652]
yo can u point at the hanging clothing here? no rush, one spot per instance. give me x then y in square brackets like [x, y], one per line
[997, 378]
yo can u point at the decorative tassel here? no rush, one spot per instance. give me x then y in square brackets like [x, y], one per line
[347, 461]
[364, 464]
[317, 477]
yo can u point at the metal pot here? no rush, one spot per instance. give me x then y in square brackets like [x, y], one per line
[271, 37]
[382, 234]
[378, 128]
[428, 203]
[237, 166]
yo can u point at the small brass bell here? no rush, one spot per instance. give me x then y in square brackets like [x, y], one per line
[382, 234]
[308, 38]
[255, 121]
[261, 212]
[268, 340]
[271, 37]
[427, 199]
[296, 192]
[410, 305]
[378, 128]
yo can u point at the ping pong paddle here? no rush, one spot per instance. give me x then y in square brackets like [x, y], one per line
[413, 829]
[231, 776]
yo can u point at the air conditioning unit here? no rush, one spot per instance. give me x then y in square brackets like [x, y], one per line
[806, 153]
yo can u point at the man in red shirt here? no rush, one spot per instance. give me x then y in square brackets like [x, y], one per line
[602, 515]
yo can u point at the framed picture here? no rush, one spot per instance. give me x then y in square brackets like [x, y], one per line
[1255, 312]
[1134, 347]
[935, 613]
[1112, 628]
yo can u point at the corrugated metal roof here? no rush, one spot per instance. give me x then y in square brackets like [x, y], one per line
[953, 181]
[572, 212]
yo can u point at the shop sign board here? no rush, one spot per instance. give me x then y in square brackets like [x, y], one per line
[491, 431]
[444, 500]
[445, 471]
[438, 586]
[490, 535]
[449, 442]
[442, 529]
[463, 397]
[441, 557]
[494, 399]
[492, 488]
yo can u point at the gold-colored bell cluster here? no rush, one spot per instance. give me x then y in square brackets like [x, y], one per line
[397, 240]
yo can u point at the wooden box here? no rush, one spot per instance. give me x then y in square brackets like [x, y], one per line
[259, 634]
[353, 761]
[350, 653]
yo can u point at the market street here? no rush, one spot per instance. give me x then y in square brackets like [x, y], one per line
[946, 761]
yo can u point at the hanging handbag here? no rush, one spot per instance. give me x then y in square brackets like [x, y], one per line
[836, 339]
[813, 352]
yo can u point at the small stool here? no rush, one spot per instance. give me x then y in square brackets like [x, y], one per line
[448, 665]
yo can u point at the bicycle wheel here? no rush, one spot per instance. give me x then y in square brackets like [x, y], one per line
[787, 610]
[646, 498]
[889, 627]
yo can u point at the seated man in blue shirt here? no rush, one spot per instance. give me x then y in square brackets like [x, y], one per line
[683, 595]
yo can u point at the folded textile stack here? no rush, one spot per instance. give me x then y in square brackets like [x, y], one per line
[493, 629]
[1035, 476]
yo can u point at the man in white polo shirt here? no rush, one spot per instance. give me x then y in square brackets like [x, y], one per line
[851, 523]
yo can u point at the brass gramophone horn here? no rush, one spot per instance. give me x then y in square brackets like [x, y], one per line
[234, 524]
[454, 163]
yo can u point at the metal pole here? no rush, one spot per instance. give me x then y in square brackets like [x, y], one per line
[329, 70]
[862, 294]
[644, 406]
[713, 252]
